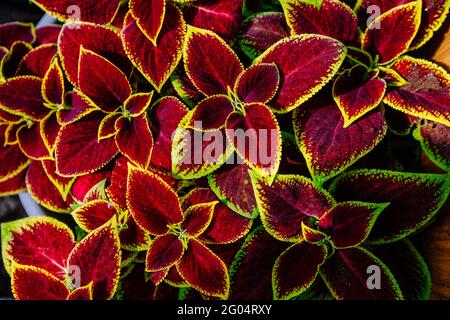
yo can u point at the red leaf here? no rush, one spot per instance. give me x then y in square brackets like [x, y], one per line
[31, 142]
[31, 241]
[85, 183]
[398, 28]
[82, 293]
[163, 253]
[287, 202]
[98, 258]
[288, 282]
[98, 11]
[118, 187]
[138, 103]
[152, 202]
[156, 62]
[49, 130]
[210, 63]
[232, 184]
[260, 31]
[414, 199]
[92, 215]
[78, 151]
[37, 61]
[258, 83]
[53, 85]
[356, 96]
[102, 40]
[13, 185]
[76, 107]
[327, 146]
[220, 16]
[149, 16]
[204, 270]
[43, 190]
[61, 183]
[211, 113]
[255, 135]
[426, 93]
[22, 96]
[11, 60]
[333, 18]
[348, 224]
[345, 274]
[226, 226]
[102, 82]
[198, 218]
[16, 31]
[293, 57]
[134, 140]
[164, 117]
[47, 34]
[31, 283]
[11, 157]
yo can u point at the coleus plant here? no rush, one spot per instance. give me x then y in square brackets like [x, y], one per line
[100, 117]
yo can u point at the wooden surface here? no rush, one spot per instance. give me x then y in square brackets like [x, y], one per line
[435, 241]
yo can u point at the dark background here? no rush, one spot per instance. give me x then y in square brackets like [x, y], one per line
[23, 10]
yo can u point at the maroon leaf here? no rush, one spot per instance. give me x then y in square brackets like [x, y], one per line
[327, 146]
[102, 82]
[356, 96]
[209, 61]
[43, 190]
[426, 93]
[165, 116]
[78, 150]
[348, 224]
[16, 31]
[261, 31]
[102, 40]
[232, 184]
[255, 135]
[22, 96]
[156, 62]
[37, 61]
[226, 226]
[152, 202]
[149, 16]
[211, 113]
[288, 282]
[258, 83]
[163, 253]
[204, 270]
[435, 141]
[333, 18]
[134, 140]
[398, 28]
[100, 12]
[31, 283]
[220, 16]
[414, 199]
[31, 241]
[293, 57]
[92, 215]
[98, 258]
[262, 250]
[347, 275]
[287, 202]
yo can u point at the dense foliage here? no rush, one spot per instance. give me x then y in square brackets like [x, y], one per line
[100, 121]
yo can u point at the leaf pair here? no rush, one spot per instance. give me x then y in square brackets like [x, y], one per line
[39, 267]
[181, 229]
[120, 115]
